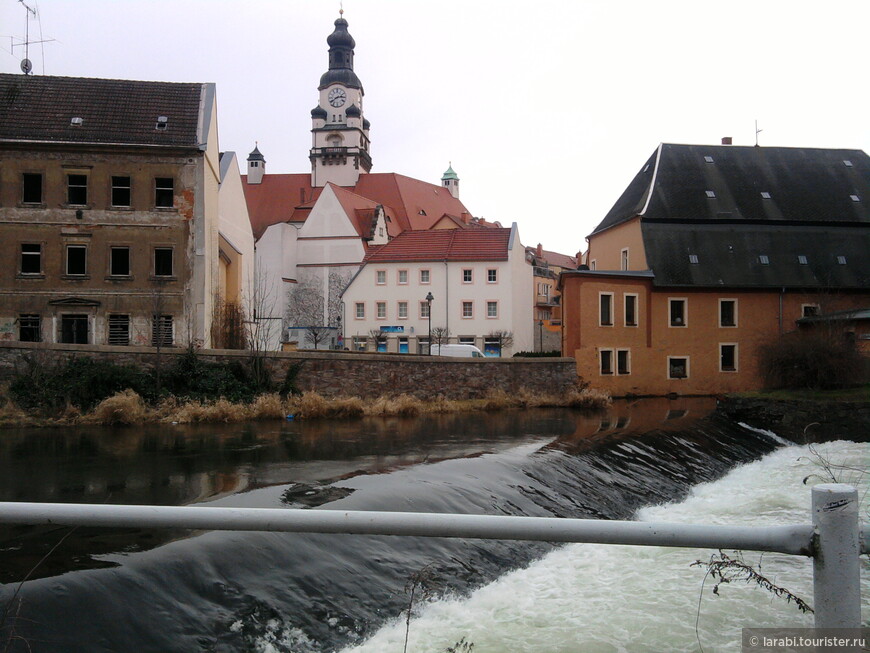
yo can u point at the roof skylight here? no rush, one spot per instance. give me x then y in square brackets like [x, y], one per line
[693, 258]
[765, 195]
[847, 163]
[855, 198]
[841, 260]
[711, 194]
[763, 259]
[802, 259]
[708, 159]
[162, 121]
[76, 122]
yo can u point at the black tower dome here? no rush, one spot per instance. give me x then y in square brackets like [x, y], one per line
[341, 45]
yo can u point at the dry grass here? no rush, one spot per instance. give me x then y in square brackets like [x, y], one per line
[124, 407]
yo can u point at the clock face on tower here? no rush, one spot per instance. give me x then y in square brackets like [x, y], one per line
[337, 97]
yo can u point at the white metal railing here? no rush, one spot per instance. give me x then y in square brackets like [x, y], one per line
[834, 540]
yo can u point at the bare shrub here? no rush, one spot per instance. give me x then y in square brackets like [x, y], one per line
[124, 407]
[817, 360]
[403, 406]
[268, 406]
[587, 399]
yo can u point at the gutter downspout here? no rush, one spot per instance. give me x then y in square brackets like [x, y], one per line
[446, 298]
[781, 295]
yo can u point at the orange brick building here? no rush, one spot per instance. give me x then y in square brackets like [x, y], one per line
[711, 252]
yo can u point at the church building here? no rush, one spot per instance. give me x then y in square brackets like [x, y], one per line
[313, 230]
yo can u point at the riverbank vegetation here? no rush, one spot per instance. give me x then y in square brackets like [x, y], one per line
[86, 391]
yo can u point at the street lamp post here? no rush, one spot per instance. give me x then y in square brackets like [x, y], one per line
[429, 299]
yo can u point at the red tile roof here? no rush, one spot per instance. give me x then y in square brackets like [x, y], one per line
[445, 245]
[409, 203]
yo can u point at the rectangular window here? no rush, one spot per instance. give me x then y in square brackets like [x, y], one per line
[424, 310]
[728, 358]
[119, 330]
[727, 312]
[29, 327]
[605, 310]
[77, 259]
[491, 309]
[163, 262]
[161, 331]
[631, 310]
[121, 191]
[678, 367]
[381, 277]
[424, 276]
[119, 262]
[467, 275]
[77, 190]
[624, 259]
[74, 329]
[605, 358]
[467, 309]
[492, 275]
[31, 258]
[423, 345]
[360, 310]
[32, 188]
[809, 310]
[403, 277]
[382, 310]
[403, 310]
[360, 343]
[623, 361]
[164, 192]
[677, 309]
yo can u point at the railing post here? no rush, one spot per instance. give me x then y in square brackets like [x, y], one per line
[836, 568]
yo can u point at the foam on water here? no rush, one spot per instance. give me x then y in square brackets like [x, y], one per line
[598, 598]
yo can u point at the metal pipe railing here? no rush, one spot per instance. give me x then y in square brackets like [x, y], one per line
[834, 540]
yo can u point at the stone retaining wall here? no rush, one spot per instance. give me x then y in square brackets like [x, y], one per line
[347, 373]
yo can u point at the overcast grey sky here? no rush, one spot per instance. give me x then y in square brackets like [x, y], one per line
[546, 109]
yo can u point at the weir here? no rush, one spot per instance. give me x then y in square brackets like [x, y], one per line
[834, 540]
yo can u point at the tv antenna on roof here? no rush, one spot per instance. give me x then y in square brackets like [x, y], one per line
[26, 64]
[757, 131]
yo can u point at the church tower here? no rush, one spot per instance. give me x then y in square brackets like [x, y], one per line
[340, 143]
[450, 181]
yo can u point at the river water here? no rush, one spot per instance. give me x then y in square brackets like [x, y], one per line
[142, 590]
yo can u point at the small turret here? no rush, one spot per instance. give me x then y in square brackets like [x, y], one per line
[256, 166]
[450, 181]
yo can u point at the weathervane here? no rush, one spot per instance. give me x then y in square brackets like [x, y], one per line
[341, 8]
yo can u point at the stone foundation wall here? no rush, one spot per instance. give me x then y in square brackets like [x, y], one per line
[346, 373]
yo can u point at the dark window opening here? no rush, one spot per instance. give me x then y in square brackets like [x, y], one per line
[31, 258]
[74, 329]
[606, 361]
[77, 190]
[119, 330]
[121, 191]
[630, 310]
[728, 358]
[76, 259]
[678, 368]
[29, 327]
[120, 262]
[727, 313]
[161, 331]
[32, 193]
[809, 310]
[606, 311]
[163, 262]
[164, 192]
[678, 312]
[622, 362]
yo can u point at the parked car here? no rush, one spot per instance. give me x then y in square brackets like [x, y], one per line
[457, 351]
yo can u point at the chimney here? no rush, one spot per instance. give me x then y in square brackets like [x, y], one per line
[466, 217]
[726, 140]
[539, 252]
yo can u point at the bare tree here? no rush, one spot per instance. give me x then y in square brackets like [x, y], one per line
[305, 311]
[377, 335]
[505, 339]
[440, 336]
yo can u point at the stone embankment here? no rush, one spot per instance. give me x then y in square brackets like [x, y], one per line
[801, 420]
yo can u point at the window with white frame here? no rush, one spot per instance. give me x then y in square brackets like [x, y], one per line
[381, 277]
[605, 309]
[467, 309]
[630, 310]
[727, 312]
[382, 310]
[623, 259]
[678, 367]
[467, 275]
[491, 309]
[424, 276]
[677, 312]
[492, 275]
[360, 310]
[424, 310]
[727, 357]
[403, 310]
[605, 361]
[403, 277]
[623, 361]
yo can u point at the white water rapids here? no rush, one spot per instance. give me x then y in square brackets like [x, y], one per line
[603, 599]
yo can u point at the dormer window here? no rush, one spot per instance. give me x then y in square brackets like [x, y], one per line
[162, 122]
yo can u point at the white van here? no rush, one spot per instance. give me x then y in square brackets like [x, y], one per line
[457, 351]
